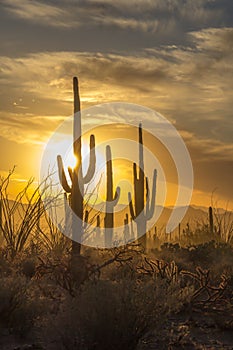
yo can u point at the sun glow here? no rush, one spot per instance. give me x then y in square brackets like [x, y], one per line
[71, 160]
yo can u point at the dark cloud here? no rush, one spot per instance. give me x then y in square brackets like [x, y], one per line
[191, 85]
[92, 25]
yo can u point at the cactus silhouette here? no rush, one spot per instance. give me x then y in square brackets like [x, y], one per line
[98, 230]
[126, 229]
[76, 189]
[211, 220]
[86, 217]
[143, 210]
[111, 201]
[131, 229]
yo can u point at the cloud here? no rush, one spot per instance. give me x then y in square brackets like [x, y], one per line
[36, 11]
[215, 40]
[190, 85]
[104, 25]
[211, 150]
[26, 128]
[71, 14]
[146, 16]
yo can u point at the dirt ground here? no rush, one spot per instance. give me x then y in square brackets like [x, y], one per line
[200, 328]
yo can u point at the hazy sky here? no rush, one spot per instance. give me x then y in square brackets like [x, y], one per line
[174, 56]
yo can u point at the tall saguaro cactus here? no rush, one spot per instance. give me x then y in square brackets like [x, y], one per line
[76, 189]
[111, 201]
[143, 210]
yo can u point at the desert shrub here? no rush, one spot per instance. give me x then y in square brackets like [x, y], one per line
[173, 252]
[28, 268]
[5, 267]
[110, 315]
[23, 263]
[59, 271]
[212, 255]
[17, 309]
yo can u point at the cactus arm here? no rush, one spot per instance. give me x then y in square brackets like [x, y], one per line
[86, 216]
[147, 188]
[135, 172]
[147, 195]
[135, 186]
[116, 196]
[98, 221]
[70, 170]
[62, 176]
[65, 199]
[150, 211]
[113, 200]
[131, 206]
[92, 164]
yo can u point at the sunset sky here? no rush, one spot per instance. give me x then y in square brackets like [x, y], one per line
[173, 56]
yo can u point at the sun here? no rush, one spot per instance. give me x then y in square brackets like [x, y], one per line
[97, 187]
[71, 160]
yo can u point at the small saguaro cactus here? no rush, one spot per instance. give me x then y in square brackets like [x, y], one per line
[78, 180]
[131, 229]
[126, 229]
[111, 201]
[142, 210]
[97, 230]
[211, 220]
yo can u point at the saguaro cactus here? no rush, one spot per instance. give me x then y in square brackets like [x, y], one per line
[98, 231]
[76, 190]
[111, 201]
[211, 220]
[126, 229]
[131, 229]
[142, 210]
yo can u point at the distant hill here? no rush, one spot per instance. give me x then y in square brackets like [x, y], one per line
[195, 215]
